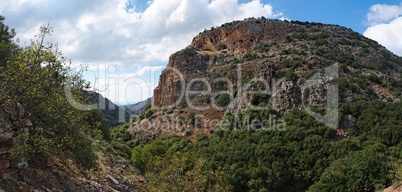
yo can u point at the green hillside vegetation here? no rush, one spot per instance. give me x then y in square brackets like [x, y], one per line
[307, 155]
[301, 154]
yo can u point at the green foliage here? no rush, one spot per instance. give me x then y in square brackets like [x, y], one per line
[290, 75]
[7, 46]
[260, 99]
[320, 42]
[306, 95]
[346, 58]
[94, 124]
[33, 81]
[381, 120]
[178, 174]
[149, 106]
[142, 154]
[121, 141]
[120, 133]
[357, 65]
[374, 78]
[296, 94]
[223, 100]
[83, 151]
[249, 56]
[365, 170]
[305, 155]
[149, 112]
[310, 73]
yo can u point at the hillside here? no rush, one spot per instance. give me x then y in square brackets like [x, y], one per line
[110, 111]
[269, 105]
[283, 56]
[137, 108]
[252, 105]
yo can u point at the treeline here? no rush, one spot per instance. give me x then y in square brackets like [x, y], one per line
[307, 155]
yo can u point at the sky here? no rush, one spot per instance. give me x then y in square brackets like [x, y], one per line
[125, 44]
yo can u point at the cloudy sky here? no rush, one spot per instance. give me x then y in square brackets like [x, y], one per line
[126, 43]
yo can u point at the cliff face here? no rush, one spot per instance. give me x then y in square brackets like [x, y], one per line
[241, 37]
[272, 49]
[289, 59]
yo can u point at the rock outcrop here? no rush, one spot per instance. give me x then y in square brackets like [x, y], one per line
[272, 49]
[279, 58]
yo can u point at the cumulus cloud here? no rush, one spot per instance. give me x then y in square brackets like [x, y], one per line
[385, 26]
[382, 13]
[114, 31]
[131, 38]
[388, 34]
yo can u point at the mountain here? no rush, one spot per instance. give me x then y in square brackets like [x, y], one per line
[253, 105]
[114, 115]
[280, 56]
[137, 108]
[270, 105]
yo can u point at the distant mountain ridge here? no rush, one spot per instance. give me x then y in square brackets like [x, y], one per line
[135, 109]
[114, 115]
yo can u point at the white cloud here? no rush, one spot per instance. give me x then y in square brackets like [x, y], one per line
[386, 26]
[382, 13]
[107, 31]
[104, 33]
[140, 72]
[388, 34]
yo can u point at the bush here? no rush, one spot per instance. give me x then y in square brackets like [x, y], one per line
[290, 75]
[83, 152]
[149, 113]
[223, 100]
[373, 78]
[260, 99]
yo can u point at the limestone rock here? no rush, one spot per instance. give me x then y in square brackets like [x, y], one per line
[282, 58]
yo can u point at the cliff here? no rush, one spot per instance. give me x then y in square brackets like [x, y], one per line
[279, 56]
[270, 49]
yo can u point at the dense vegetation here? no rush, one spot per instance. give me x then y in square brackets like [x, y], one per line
[305, 155]
[33, 81]
[293, 152]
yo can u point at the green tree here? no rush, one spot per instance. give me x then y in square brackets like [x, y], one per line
[7, 45]
[33, 81]
[364, 170]
[177, 174]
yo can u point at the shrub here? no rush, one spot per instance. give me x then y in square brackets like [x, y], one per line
[223, 100]
[260, 99]
[149, 113]
[290, 75]
[373, 78]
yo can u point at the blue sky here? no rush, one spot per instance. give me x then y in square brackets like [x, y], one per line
[348, 13]
[125, 44]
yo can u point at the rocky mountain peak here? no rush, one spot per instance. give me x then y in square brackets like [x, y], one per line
[283, 56]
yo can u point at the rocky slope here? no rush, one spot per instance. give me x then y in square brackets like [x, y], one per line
[279, 56]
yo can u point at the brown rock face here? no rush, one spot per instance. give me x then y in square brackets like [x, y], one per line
[240, 37]
[278, 56]
[182, 65]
